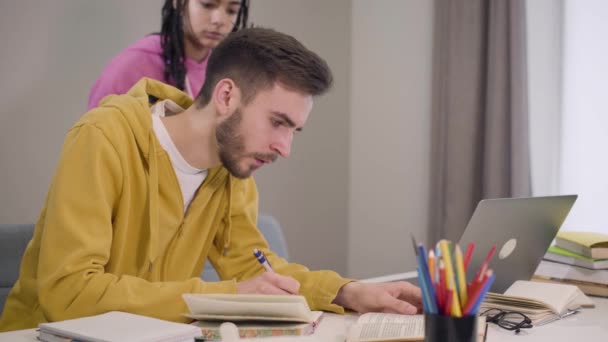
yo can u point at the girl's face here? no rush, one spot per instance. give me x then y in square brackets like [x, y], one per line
[208, 22]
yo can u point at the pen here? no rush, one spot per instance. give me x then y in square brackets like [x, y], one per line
[262, 259]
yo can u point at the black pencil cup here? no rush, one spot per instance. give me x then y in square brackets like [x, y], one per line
[439, 328]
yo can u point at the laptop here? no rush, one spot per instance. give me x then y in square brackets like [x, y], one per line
[522, 230]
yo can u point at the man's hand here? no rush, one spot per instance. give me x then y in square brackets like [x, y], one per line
[269, 283]
[398, 297]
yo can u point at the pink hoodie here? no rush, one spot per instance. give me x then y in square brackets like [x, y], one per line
[142, 59]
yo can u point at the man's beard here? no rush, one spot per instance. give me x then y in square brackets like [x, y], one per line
[232, 147]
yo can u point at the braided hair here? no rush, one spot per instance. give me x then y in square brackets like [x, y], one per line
[172, 38]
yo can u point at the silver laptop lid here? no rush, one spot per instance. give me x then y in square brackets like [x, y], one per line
[522, 230]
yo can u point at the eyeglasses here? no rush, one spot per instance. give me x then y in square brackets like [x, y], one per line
[509, 320]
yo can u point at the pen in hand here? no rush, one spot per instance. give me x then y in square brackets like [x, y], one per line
[262, 260]
[268, 282]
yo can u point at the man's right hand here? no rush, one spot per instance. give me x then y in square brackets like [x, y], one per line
[269, 283]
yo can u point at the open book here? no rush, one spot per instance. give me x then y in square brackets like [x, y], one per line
[255, 315]
[377, 327]
[541, 302]
[117, 326]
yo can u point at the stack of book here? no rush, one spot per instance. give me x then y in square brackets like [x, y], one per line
[578, 258]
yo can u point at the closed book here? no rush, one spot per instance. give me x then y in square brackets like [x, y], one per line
[210, 330]
[564, 256]
[589, 244]
[557, 270]
[255, 315]
[248, 307]
[117, 326]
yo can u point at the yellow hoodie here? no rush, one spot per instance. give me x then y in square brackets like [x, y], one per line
[113, 235]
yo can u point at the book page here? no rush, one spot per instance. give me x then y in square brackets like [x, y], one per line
[557, 297]
[387, 327]
[248, 307]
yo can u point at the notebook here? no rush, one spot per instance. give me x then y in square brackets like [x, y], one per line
[566, 257]
[210, 330]
[541, 302]
[248, 307]
[117, 326]
[385, 327]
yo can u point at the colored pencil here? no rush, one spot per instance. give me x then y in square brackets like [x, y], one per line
[462, 281]
[468, 254]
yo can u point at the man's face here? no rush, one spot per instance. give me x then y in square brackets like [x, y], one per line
[256, 134]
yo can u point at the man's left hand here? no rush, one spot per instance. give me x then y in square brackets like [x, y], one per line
[398, 297]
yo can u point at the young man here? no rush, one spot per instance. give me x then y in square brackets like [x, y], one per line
[144, 194]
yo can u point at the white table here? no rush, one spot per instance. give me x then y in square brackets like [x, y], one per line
[589, 325]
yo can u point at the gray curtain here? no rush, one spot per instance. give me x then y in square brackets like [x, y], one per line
[479, 144]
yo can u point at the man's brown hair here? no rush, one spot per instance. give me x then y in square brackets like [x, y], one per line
[256, 58]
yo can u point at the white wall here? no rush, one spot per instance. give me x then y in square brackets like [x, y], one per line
[584, 162]
[308, 192]
[567, 71]
[52, 51]
[390, 126]
[356, 183]
[544, 48]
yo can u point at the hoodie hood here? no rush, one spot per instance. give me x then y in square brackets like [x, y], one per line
[151, 45]
[131, 106]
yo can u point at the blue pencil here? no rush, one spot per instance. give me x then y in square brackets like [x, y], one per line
[425, 294]
[427, 280]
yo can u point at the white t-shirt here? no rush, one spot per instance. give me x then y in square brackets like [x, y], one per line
[189, 177]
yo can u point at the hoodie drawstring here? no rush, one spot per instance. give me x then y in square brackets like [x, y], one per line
[153, 201]
[228, 229]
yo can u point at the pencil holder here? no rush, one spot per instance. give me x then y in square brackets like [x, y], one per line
[439, 328]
